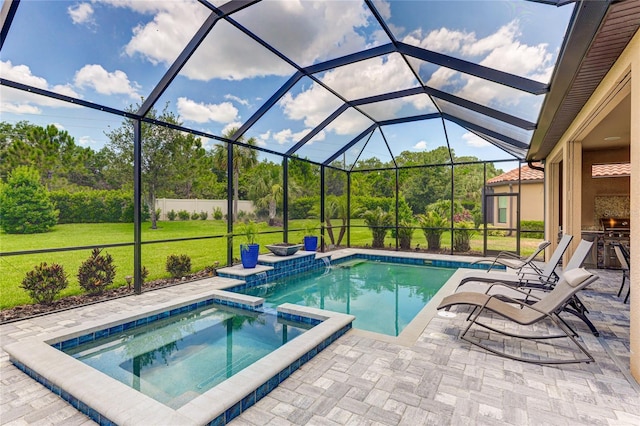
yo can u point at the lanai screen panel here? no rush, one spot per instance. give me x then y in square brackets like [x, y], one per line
[518, 37]
[410, 141]
[107, 53]
[317, 31]
[406, 106]
[336, 135]
[225, 81]
[480, 91]
[370, 77]
[469, 146]
[300, 110]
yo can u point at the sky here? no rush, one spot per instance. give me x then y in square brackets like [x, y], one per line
[114, 52]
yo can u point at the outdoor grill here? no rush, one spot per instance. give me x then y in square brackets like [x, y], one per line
[616, 230]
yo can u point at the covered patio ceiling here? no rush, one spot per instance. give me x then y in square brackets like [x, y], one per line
[323, 81]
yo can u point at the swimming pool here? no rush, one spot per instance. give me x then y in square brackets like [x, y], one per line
[176, 359]
[383, 296]
[109, 401]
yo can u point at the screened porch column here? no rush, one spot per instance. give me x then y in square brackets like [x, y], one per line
[572, 200]
[634, 299]
[553, 197]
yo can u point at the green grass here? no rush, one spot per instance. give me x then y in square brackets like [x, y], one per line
[203, 252]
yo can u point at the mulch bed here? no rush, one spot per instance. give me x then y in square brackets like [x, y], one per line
[27, 311]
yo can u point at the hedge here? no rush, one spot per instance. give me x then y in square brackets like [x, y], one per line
[532, 225]
[103, 206]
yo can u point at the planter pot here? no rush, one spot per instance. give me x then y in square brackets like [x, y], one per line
[249, 255]
[284, 249]
[310, 243]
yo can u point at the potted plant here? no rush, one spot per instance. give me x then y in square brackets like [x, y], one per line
[250, 249]
[310, 236]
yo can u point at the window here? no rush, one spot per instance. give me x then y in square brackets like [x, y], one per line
[502, 209]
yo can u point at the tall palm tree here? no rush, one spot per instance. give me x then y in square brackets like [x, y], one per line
[243, 158]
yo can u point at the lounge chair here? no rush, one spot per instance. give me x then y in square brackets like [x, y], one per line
[544, 279]
[623, 258]
[543, 283]
[548, 307]
[513, 261]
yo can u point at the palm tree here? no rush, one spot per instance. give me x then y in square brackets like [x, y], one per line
[244, 157]
[379, 222]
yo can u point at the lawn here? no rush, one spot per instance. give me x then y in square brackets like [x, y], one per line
[203, 252]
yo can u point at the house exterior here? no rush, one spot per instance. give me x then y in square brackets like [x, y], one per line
[502, 206]
[596, 123]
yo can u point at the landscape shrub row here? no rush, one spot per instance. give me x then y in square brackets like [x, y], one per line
[44, 282]
[103, 206]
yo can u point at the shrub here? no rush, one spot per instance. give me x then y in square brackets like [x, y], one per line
[97, 272]
[25, 207]
[532, 225]
[195, 216]
[203, 215]
[96, 206]
[302, 207]
[178, 266]
[172, 215]
[183, 215]
[217, 213]
[405, 233]
[432, 225]
[462, 235]
[44, 282]
[378, 221]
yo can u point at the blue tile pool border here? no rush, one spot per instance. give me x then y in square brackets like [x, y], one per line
[140, 322]
[263, 390]
[229, 414]
[72, 400]
[295, 267]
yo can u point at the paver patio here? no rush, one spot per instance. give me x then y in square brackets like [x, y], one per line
[438, 379]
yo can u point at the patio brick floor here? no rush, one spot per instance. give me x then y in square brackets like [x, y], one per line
[360, 380]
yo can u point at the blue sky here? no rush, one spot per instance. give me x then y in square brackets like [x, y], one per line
[115, 51]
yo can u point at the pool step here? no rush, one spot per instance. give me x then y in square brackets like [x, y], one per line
[271, 267]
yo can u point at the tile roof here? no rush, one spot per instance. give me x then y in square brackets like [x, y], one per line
[597, 170]
[608, 170]
[527, 173]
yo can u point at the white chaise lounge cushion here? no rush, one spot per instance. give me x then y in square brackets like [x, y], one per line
[576, 276]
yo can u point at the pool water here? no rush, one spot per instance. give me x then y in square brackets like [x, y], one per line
[177, 359]
[384, 297]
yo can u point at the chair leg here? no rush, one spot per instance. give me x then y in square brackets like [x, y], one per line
[624, 278]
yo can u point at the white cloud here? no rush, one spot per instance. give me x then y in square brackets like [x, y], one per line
[501, 50]
[88, 141]
[237, 99]
[421, 146]
[229, 126]
[81, 14]
[20, 102]
[106, 83]
[381, 74]
[474, 140]
[327, 30]
[201, 113]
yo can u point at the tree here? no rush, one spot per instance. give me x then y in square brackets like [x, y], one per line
[25, 207]
[52, 152]
[163, 151]
[266, 190]
[244, 158]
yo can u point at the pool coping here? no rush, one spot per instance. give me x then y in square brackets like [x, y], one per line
[105, 398]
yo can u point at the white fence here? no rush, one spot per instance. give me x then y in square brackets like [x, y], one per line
[167, 204]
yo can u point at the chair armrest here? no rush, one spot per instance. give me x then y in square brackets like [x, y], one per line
[511, 288]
